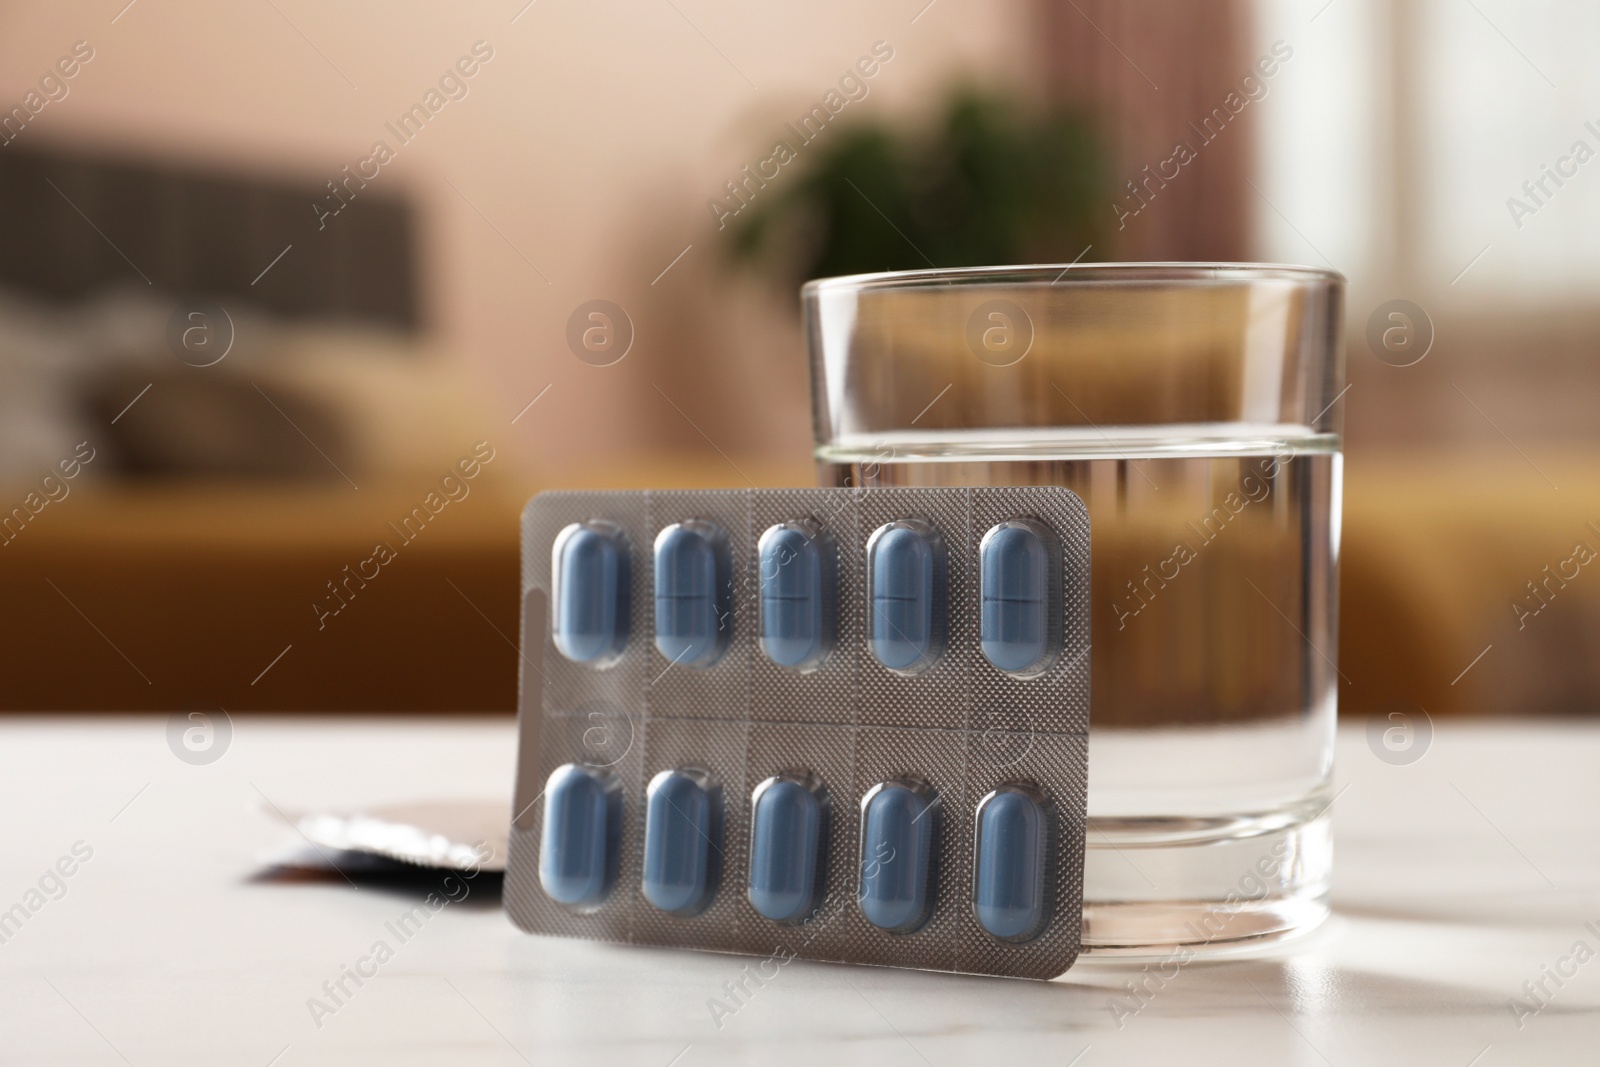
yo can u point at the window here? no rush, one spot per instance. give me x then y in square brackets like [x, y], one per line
[1450, 148]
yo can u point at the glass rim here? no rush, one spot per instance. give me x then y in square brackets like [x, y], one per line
[1024, 274]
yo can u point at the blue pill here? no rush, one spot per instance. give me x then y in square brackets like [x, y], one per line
[788, 826]
[591, 577]
[680, 838]
[1014, 576]
[899, 824]
[795, 579]
[906, 565]
[693, 591]
[1009, 861]
[582, 827]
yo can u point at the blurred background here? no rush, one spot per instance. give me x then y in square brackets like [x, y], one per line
[299, 302]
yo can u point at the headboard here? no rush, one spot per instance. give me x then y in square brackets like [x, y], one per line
[194, 231]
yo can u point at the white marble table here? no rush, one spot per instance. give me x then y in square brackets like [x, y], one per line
[1459, 878]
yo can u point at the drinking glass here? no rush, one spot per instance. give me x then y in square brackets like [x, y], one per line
[1195, 409]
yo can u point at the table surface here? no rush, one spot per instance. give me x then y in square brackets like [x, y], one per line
[1459, 878]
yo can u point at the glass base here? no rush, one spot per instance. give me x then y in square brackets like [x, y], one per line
[1159, 888]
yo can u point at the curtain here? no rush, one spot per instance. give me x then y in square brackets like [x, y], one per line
[1167, 79]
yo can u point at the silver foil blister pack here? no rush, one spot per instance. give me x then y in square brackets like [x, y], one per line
[961, 744]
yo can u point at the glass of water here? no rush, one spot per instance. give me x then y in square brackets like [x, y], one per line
[1195, 409]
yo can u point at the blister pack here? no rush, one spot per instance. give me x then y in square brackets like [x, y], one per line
[843, 724]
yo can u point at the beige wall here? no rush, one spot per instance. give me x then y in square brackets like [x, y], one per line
[591, 140]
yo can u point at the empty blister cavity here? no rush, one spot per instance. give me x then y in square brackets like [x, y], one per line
[1018, 583]
[788, 847]
[899, 835]
[1010, 862]
[682, 841]
[797, 568]
[590, 572]
[693, 590]
[582, 828]
[905, 589]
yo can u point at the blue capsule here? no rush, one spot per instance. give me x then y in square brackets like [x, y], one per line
[590, 573]
[582, 828]
[1014, 575]
[681, 832]
[899, 827]
[788, 848]
[1010, 858]
[693, 592]
[905, 579]
[796, 590]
